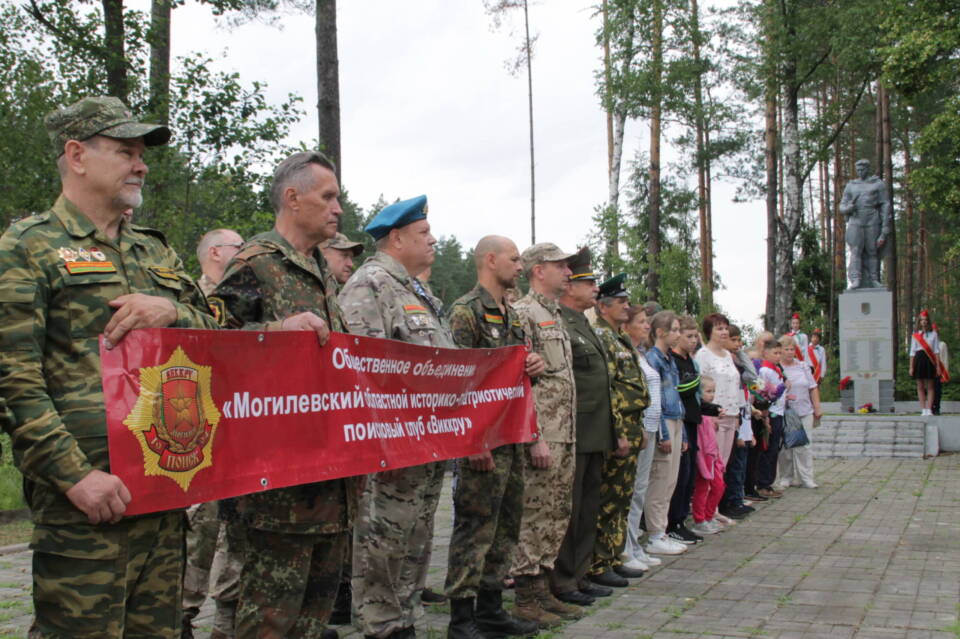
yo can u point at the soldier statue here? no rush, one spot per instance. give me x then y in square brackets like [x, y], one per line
[869, 215]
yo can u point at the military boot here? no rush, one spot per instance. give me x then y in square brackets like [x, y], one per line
[553, 605]
[493, 620]
[528, 603]
[462, 624]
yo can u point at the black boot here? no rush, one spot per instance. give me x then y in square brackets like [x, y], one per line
[462, 625]
[493, 620]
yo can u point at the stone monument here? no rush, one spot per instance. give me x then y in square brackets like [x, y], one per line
[866, 307]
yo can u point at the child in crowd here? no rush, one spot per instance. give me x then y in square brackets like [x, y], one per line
[732, 505]
[771, 374]
[708, 484]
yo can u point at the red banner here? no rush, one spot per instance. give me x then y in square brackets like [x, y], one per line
[195, 415]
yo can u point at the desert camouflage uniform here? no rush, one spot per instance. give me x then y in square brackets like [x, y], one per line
[120, 580]
[203, 527]
[295, 537]
[393, 533]
[547, 496]
[630, 398]
[487, 504]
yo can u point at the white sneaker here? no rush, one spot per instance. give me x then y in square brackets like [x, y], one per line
[704, 528]
[663, 545]
[723, 521]
[635, 564]
[650, 560]
[811, 485]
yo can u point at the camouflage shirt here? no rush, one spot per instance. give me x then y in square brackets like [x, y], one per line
[267, 281]
[628, 386]
[477, 322]
[57, 273]
[379, 300]
[554, 392]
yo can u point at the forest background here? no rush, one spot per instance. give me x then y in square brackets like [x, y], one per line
[777, 97]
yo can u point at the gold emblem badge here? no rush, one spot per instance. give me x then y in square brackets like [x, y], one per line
[175, 419]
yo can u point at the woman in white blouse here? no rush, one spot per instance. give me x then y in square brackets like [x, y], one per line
[715, 361]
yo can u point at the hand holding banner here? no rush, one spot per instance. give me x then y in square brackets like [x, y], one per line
[196, 415]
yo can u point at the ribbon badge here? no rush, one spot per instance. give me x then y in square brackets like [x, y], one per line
[175, 419]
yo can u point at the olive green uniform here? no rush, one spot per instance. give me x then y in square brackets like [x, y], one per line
[296, 537]
[630, 398]
[120, 580]
[394, 528]
[487, 504]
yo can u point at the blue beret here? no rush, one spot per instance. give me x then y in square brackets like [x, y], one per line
[397, 215]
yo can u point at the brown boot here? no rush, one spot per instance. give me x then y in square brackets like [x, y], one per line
[553, 605]
[527, 604]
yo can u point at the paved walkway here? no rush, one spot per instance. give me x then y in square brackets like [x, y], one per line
[873, 554]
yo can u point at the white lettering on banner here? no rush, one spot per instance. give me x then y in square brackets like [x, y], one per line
[343, 359]
[429, 369]
[373, 430]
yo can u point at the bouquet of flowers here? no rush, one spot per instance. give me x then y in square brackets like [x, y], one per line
[765, 393]
[867, 408]
[846, 383]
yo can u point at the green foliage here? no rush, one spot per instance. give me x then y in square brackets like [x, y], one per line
[453, 272]
[11, 486]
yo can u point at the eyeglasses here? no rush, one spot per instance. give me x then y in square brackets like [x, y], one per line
[236, 246]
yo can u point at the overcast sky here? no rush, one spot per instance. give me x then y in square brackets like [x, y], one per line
[427, 106]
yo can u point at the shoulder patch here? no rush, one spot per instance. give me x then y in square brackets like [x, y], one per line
[547, 323]
[218, 309]
[165, 272]
[414, 309]
[493, 319]
[18, 227]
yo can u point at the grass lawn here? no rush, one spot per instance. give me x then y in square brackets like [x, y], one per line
[16, 532]
[11, 491]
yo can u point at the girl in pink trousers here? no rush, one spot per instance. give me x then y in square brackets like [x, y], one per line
[708, 486]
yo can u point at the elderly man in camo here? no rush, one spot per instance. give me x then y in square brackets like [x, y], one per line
[68, 276]
[394, 528]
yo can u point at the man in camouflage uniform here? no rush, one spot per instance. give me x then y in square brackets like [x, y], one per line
[295, 537]
[209, 547]
[595, 437]
[630, 398]
[394, 528]
[67, 276]
[549, 467]
[488, 500]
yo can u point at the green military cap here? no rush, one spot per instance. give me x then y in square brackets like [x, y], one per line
[580, 266]
[613, 287]
[100, 115]
[342, 242]
[540, 253]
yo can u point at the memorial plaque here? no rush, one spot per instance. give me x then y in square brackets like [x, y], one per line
[866, 344]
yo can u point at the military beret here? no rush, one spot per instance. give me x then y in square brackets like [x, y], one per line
[101, 115]
[397, 215]
[540, 253]
[613, 287]
[342, 242]
[580, 266]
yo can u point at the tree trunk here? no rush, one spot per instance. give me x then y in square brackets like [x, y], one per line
[159, 39]
[619, 122]
[533, 179]
[328, 81]
[653, 276]
[908, 223]
[792, 200]
[114, 57]
[770, 151]
[706, 241]
[890, 250]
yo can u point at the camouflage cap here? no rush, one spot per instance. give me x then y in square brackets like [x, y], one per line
[100, 115]
[540, 253]
[342, 242]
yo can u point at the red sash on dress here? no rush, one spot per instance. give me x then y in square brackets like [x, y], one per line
[776, 369]
[797, 353]
[817, 366]
[934, 358]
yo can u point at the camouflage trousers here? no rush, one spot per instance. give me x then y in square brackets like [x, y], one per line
[288, 583]
[393, 537]
[616, 494]
[488, 506]
[203, 528]
[108, 582]
[547, 503]
[225, 575]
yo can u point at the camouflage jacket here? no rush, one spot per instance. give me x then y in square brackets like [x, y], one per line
[554, 393]
[267, 281]
[477, 322]
[628, 386]
[57, 273]
[379, 300]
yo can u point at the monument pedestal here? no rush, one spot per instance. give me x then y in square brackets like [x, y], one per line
[867, 348]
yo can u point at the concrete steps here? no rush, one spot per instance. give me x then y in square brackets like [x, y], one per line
[868, 436]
